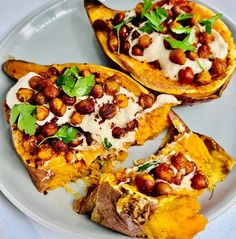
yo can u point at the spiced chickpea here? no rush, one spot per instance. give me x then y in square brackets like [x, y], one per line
[49, 129]
[124, 31]
[39, 83]
[178, 56]
[107, 111]
[67, 100]
[85, 107]
[70, 156]
[121, 100]
[167, 44]
[145, 183]
[218, 66]
[204, 51]
[76, 118]
[199, 181]
[132, 125]
[24, 94]
[119, 17]
[39, 99]
[139, 9]
[164, 172]
[112, 87]
[192, 55]
[118, 132]
[113, 41]
[41, 112]
[203, 78]
[76, 142]
[162, 188]
[100, 25]
[51, 92]
[135, 34]
[86, 72]
[175, 10]
[57, 107]
[144, 41]
[59, 146]
[124, 47]
[137, 51]
[45, 152]
[30, 144]
[205, 38]
[186, 75]
[97, 91]
[177, 179]
[193, 21]
[146, 101]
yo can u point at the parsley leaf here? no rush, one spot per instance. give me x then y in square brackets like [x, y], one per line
[144, 167]
[118, 27]
[181, 30]
[23, 114]
[65, 134]
[184, 45]
[147, 4]
[210, 21]
[155, 18]
[147, 28]
[107, 144]
[73, 84]
[183, 17]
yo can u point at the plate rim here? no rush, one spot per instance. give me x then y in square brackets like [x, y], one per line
[35, 13]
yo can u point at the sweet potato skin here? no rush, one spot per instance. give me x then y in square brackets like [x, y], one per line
[154, 79]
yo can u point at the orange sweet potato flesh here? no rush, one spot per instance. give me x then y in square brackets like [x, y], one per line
[154, 79]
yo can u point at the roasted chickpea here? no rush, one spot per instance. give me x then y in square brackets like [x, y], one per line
[218, 66]
[76, 142]
[97, 91]
[49, 129]
[175, 10]
[39, 99]
[67, 100]
[39, 83]
[41, 112]
[164, 172]
[162, 188]
[135, 35]
[178, 56]
[177, 179]
[139, 9]
[24, 94]
[203, 78]
[107, 111]
[51, 92]
[76, 118]
[124, 47]
[205, 38]
[146, 101]
[59, 146]
[132, 125]
[118, 132]
[112, 87]
[186, 75]
[121, 100]
[167, 44]
[173, 25]
[136, 51]
[86, 72]
[52, 71]
[45, 152]
[119, 17]
[85, 107]
[204, 51]
[199, 181]
[124, 31]
[156, 64]
[193, 21]
[145, 183]
[70, 157]
[57, 107]
[113, 41]
[30, 144]
[192, 55]
[100, 25]
[144, 41]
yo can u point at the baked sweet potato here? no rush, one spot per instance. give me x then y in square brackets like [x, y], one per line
[61, 137]
[152, 43]
[158, 196]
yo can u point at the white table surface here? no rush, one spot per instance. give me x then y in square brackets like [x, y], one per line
[13, 223]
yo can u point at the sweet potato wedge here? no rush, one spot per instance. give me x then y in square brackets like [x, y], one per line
[153, 77]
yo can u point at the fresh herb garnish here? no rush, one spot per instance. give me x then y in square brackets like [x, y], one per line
[200, 65]
[23, 114]
[75, 85]
[147, 28]
[210, 21]
[181, 30]
[144, 167]
[118, 27]
[183, 17]
[65, 134]
[107, 144]
[147, 4]
[155, 18]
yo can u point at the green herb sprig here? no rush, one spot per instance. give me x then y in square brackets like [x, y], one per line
[65, 134]
[107, 144]
[183, 17]
[73, 84]
[210, 22]
[147, 4]
[23, 114]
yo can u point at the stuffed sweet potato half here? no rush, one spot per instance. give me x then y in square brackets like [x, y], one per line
[158, 196]
[177, 47]
[74, 120]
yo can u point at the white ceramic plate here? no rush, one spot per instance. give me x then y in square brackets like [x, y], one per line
[61, 33]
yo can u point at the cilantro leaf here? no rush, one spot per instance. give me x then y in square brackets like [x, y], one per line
[107, 144]
[210, 21]
[73, 84]
[147, 28]
[183, 17]
[147, 4]
[155, 18]
[184, 45]
[65, 134]
[191, 37]
[23, 114]
[144, 167]
[181, 30]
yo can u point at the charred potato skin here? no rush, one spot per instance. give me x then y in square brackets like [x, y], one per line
[188, 94]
